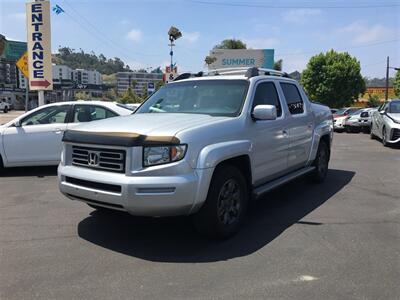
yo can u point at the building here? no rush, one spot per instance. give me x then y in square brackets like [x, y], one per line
[82, 76]
[137, 80]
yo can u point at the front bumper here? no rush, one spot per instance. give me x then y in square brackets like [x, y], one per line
[139, 195]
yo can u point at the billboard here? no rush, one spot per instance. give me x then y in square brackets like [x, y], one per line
[39, 45]
[238, 58]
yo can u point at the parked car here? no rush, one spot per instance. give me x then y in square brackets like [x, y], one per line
[131, 106]
[34, 138]
[5, 106]
[334, 110]
[359, 120]
[201, 146]
[386, 123]
[339, 118]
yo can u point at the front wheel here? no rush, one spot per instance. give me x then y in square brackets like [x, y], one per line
[225, 207]
[321, 163]
[5, 110]
[384, 138]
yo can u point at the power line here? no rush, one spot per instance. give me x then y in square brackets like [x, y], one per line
[294, 6]
[102, 35]
[341, 49]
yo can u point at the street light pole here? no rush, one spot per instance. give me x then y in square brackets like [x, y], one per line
[387, 80]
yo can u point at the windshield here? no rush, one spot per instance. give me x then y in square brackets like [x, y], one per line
[212, 97]
[394, 107]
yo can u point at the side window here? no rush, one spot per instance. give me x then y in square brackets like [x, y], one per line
[87, 113]
[47, 115]
[293, 98]
[266, 94]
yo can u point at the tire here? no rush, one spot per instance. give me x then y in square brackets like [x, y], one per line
[321, 163]
[1, 165]
[371, 132]
[225, 208]
[384, 138]
[5, 110]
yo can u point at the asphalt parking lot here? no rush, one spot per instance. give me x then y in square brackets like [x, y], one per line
[338, 240]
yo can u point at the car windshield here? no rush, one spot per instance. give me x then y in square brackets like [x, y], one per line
[340, 111]
[394, 107]
[212, 97]
[356, 112]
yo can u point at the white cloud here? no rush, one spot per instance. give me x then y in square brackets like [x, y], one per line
[135, 35]
[361, 33]
[300, 15]
[261, 43]
[191, 37]
[124, 22]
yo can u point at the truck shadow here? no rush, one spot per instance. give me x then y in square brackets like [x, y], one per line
[175, 240]
[29, 171]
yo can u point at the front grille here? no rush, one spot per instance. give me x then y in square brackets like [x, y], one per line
[94, 185]
[395, 134]
[112, 160]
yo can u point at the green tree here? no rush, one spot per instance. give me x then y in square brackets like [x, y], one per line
[144, 93]
[396, 84]
[373, 101]
[231, 44]
[278, 65]
[159, 84]
[333, 78]
[81, 96]
[128, 97]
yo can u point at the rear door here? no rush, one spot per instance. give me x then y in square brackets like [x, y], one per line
[38, 139]
[300, 125]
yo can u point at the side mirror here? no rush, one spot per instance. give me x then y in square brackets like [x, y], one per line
[382, 112]
[17, 123]
[264, 112]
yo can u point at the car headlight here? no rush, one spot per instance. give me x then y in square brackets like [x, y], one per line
[158, 155]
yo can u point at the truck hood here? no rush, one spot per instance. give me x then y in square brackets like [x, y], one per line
[395, 116]
[156, 124]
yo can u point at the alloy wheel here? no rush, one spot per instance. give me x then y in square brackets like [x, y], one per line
[229, 202]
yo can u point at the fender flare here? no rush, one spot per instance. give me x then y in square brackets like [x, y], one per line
[325, 128]
[211, 155]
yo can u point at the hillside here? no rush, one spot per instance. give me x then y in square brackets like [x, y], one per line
[90, 61]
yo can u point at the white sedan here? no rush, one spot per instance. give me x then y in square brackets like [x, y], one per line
[34, 138]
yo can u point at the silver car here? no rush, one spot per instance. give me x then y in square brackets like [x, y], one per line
[386, 123]
[358, 121]
[201, 146]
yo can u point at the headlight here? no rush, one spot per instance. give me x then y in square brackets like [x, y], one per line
[159, 155]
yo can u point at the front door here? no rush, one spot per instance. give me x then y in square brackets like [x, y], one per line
[38, 139]
[271, 138]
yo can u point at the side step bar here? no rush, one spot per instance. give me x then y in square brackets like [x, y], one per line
[282, 180]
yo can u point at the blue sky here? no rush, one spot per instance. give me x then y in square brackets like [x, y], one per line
[136, 31]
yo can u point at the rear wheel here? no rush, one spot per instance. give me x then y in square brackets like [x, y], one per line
[225, 207]
[1, 164]
[321, 163]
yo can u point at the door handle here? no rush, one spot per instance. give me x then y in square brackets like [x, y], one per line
[58, 130]
[284, 132]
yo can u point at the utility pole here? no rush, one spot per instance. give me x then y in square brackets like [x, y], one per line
[387, 80]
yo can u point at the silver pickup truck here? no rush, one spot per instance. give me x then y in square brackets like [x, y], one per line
[203, 145]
